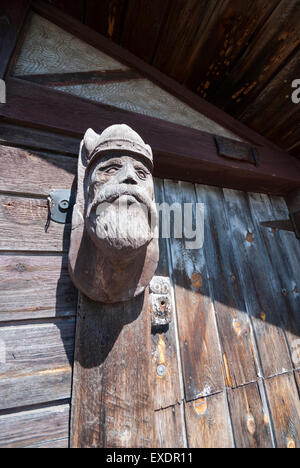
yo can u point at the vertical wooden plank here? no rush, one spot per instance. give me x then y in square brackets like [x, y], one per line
[208, 423]
[254, 272]
[251, 425]
[112, 402]
[166, 388]
[168, 428]
[106, 17]
[233, 321]
[285, 410]
[12, 16]
[283, 251]
[142, 27]
[199, 344]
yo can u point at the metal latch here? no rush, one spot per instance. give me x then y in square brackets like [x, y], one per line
[61, 203]
[160, 301]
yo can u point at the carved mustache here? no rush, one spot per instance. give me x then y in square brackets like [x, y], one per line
[110, 193]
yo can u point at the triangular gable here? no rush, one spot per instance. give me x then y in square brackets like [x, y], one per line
[49, 55]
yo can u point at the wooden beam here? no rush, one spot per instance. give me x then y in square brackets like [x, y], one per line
[79, 78]
[180, 153]
[114, 50]
[112, 402]
[12, 16]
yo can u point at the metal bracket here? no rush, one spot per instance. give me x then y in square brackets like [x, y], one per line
[160, 301]
[61, 205]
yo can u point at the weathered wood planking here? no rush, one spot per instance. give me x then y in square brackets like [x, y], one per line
[22, 226]
[257, 286]
[208, 422]
[283, 250]
[275, 98]
[264, 57]
[13, 14]
[33, 287]
[56, 443]
[218, 48]
[16, 135]
[106, 17]
[36, 362]
[45, 427]
[199, 342]
[166, 388]
[233, 321]
[33, 172]
[284, 405]
[184, 27]
[251, 425]
[112, 401]
[148, 19]
[168, 428]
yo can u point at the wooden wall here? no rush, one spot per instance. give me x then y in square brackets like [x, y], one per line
[38, 302]
[232, 371]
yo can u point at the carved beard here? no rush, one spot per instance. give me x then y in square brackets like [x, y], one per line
[121, 218]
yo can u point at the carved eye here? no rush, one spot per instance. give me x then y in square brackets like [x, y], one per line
[141, 174]
[111, 170]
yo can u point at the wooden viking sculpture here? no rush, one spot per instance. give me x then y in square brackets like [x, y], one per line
[114, 247]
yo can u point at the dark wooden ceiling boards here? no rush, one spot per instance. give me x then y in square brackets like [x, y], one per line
[240, 55]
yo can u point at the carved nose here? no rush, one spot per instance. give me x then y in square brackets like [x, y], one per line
[130, 180]
[129, 177]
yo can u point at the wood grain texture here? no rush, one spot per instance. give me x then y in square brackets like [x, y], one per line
[255, 273]
[168, 428]
[285, 410]
[16, 135]
[22, 226]
[184, 27]
[33, 287]
[251, 425]
[148, 19]
[180, 152]
[112, 403]
[49, 49]
[36, 361]
[234, 327]
[37, 173]
[199, 342]
[166, 388]
[12, 17]
[106, 17]
[283, 251]
[272, 46]
[45, 427]
[208, 423]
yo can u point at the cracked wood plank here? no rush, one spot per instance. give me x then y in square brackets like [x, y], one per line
[251, 425]
[208, 422]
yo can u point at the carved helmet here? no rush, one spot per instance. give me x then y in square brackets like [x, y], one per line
[119, 137]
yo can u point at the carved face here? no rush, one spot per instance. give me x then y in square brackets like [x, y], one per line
[120, 208]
